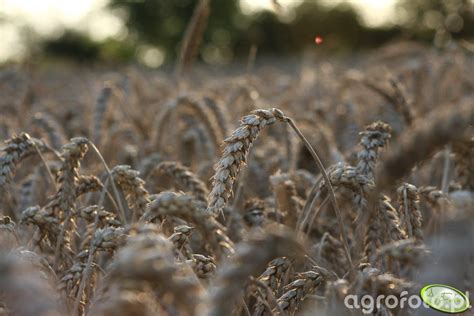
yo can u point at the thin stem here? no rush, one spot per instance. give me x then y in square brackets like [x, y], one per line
[270, 296]
[117, 196]
[315, 215]
[90, 257]
[313, 195]
[332, 195]
[59, 242]
[307, 213]
[407, 215]
[446, 167]
[246, 308]
[50, 174]
[251, 59]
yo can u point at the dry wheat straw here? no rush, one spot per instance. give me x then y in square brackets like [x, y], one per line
[204, 114]
[52, 129]
[219, 112]
[286, 198]
[305, 283]
[235, 154]
[407, 252]
[192, 37]
[254, 213]
[133, 187]
[375, 136]
[203, 266]
[440, 127]
[396, 97]
[87, 184]
[72, 154]
[464, 162]
[25, 289]
[64, 202]
[17, 148]
[180, 238]
[392, 225]
[29, 191]
[250, 259]
[100, 112]
[274, 278]
[197, 108]
[184, 179]
[411, 217]
[192, 210]
[148, 259]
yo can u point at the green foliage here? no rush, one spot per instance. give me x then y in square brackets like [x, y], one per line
[230, 33]
[162, 23]
[437, 19]
[80, 48]
[72, 44]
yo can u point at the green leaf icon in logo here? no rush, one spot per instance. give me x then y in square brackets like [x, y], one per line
[445, 298]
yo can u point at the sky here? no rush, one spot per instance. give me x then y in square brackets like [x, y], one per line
[49, 16]
[374, 12]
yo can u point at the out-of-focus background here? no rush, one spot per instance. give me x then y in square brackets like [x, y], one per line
[150, 31]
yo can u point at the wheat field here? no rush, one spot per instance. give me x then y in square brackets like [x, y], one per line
[267, 192]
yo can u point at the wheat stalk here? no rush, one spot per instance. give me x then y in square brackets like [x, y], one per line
[250, 259]
[305, 283]
[17, 148]
[192, 37]
[52, 129]
[235, 154]
[274, 278]
[438, 128]
[183, 178]
[190, 209]
[133, 187]
[411, 217]
[100, 112]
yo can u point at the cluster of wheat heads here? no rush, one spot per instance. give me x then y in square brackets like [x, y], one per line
[168, 204]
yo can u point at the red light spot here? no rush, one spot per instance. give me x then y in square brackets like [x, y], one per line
[318, 40]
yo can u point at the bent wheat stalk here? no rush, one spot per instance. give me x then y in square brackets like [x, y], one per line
[332, 195]
[236, 153]
[440, 127]
[90, 256]
[192, 37]
[250, 259]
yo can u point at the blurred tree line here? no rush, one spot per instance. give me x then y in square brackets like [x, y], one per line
[230, 33]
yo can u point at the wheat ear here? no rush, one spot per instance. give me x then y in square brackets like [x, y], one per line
[250, 259]
[100, 112]
[192, 210]
[133, 186]
[198, 109]
[17, 148]
[192, 37]
[297, 290]
[184, 179]
[235, 154]
[273, 278]
[411, 218]
[374, 137]
[442, 126]
[52, 129]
